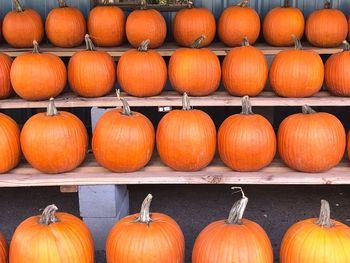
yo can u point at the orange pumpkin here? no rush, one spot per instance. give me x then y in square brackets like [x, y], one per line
[38, 76]
[123, 140]
[326, 27]
[190, 24]
[237, 22]
[22, 26]
[65, 26]
[233, 240]
[3, 249]
[311, 142]
[5, 81]
[244, 70]
[194, 70]
[296, 73]
[142, 72]
[282, 22]
[55, 141]
[91, 73]
[316, 240]
[152, 237]
[106, 25]
[52, 237]
[186, 139]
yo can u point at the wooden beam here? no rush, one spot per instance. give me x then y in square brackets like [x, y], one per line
[68, 188]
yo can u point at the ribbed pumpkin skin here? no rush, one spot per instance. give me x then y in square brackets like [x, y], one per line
[106, 26]
[3, 249]
[68, 240]
[20, 29]
[195, 71]
[54, 144]
[91, 73]
[244, 71]
[142, 74]
[235, 23]
[296, 73]
[38, 76]
[146, 24]
[311, 142]
[306, 242]
[123, 143]
[159, 241]
[190, 24]
[5, 81]
[10, 147]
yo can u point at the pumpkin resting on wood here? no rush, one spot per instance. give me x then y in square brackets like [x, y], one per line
[3, 249]
[5, 80]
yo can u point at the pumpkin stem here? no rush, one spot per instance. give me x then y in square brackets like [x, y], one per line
[286, 4]
[62, 3]
[306, 109]
[143, 4]
[246, 106]
[36, 48]
[105, 2]
[51, 108]
[325, 215]
[297, 43]
[346, 45]
[245, 42]
[126, 108]
[244, 3]
[198, 42]
[190, 4]
[144, 46]
[327, 4]
[89, 44]
[186, 102]
[237, 210]
[145, 216]
[48, 215]
[18, 6]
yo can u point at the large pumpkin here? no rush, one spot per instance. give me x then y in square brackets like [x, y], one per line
[282, 22]
[38, 76]
[186, 138]
[54, 141]
[91, 73]
[65, 26]
[5, 80]
[152, 237]
[190, 24]
[310, 141]
[123, 140]
[244, 70]
[3, 249]
[326, 27]
[194, 70]
[106, 25]
[51, 238]
[316, 240]
[22, 26]
[237, 22]
[296, 73]
[233, 240]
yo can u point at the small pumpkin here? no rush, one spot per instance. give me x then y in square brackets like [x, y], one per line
[50, 238]
[38, 76]
[296, 73]
[194, 70]
[91, 73]
[186, 139]
[326, 27]
[311, 141]
[106, 25]
[152, 237]
[22, 26]
[316, 240]
[3, 249]
[237, 22]
[282, 22]
[65, 26]
[244, 70]
[5, 80]
[54, 141]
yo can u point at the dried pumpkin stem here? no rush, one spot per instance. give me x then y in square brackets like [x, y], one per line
[325, 215]
[105, 2]
[144, 46]
[36, 48]
[246, 106]
[186, 102]
[18, 6]
[297, 43]
[143, 4]
[145, 216]
[62, 3]
[286, 4]
[238, 209]
[245, 42]
[346, 45]
[190, 4]
[89, 44]
[244, 3]
[327, 4]
[306, 109]
[198, 42]
[51, 108]
[48, 216]
[126, 108]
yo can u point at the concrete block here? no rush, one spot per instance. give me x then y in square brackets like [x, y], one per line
[96, 114]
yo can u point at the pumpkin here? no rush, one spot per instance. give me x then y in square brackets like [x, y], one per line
[282, 22]
[152, 237]
[316, 240]
[106, 25]
[326, 27]
[55, 141]
[237, 22]
[244, 70]
[3, 249]
[91, 73]
[186, 139]
[190, 24]
[194, 70]
[123, 141]
[246, 141]
[38, 76]
[142, 72]
[296, 73]
[233, 240]
[5, 81]
[65, 26]
[50, 238]
[22, 26]
[311, 142]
